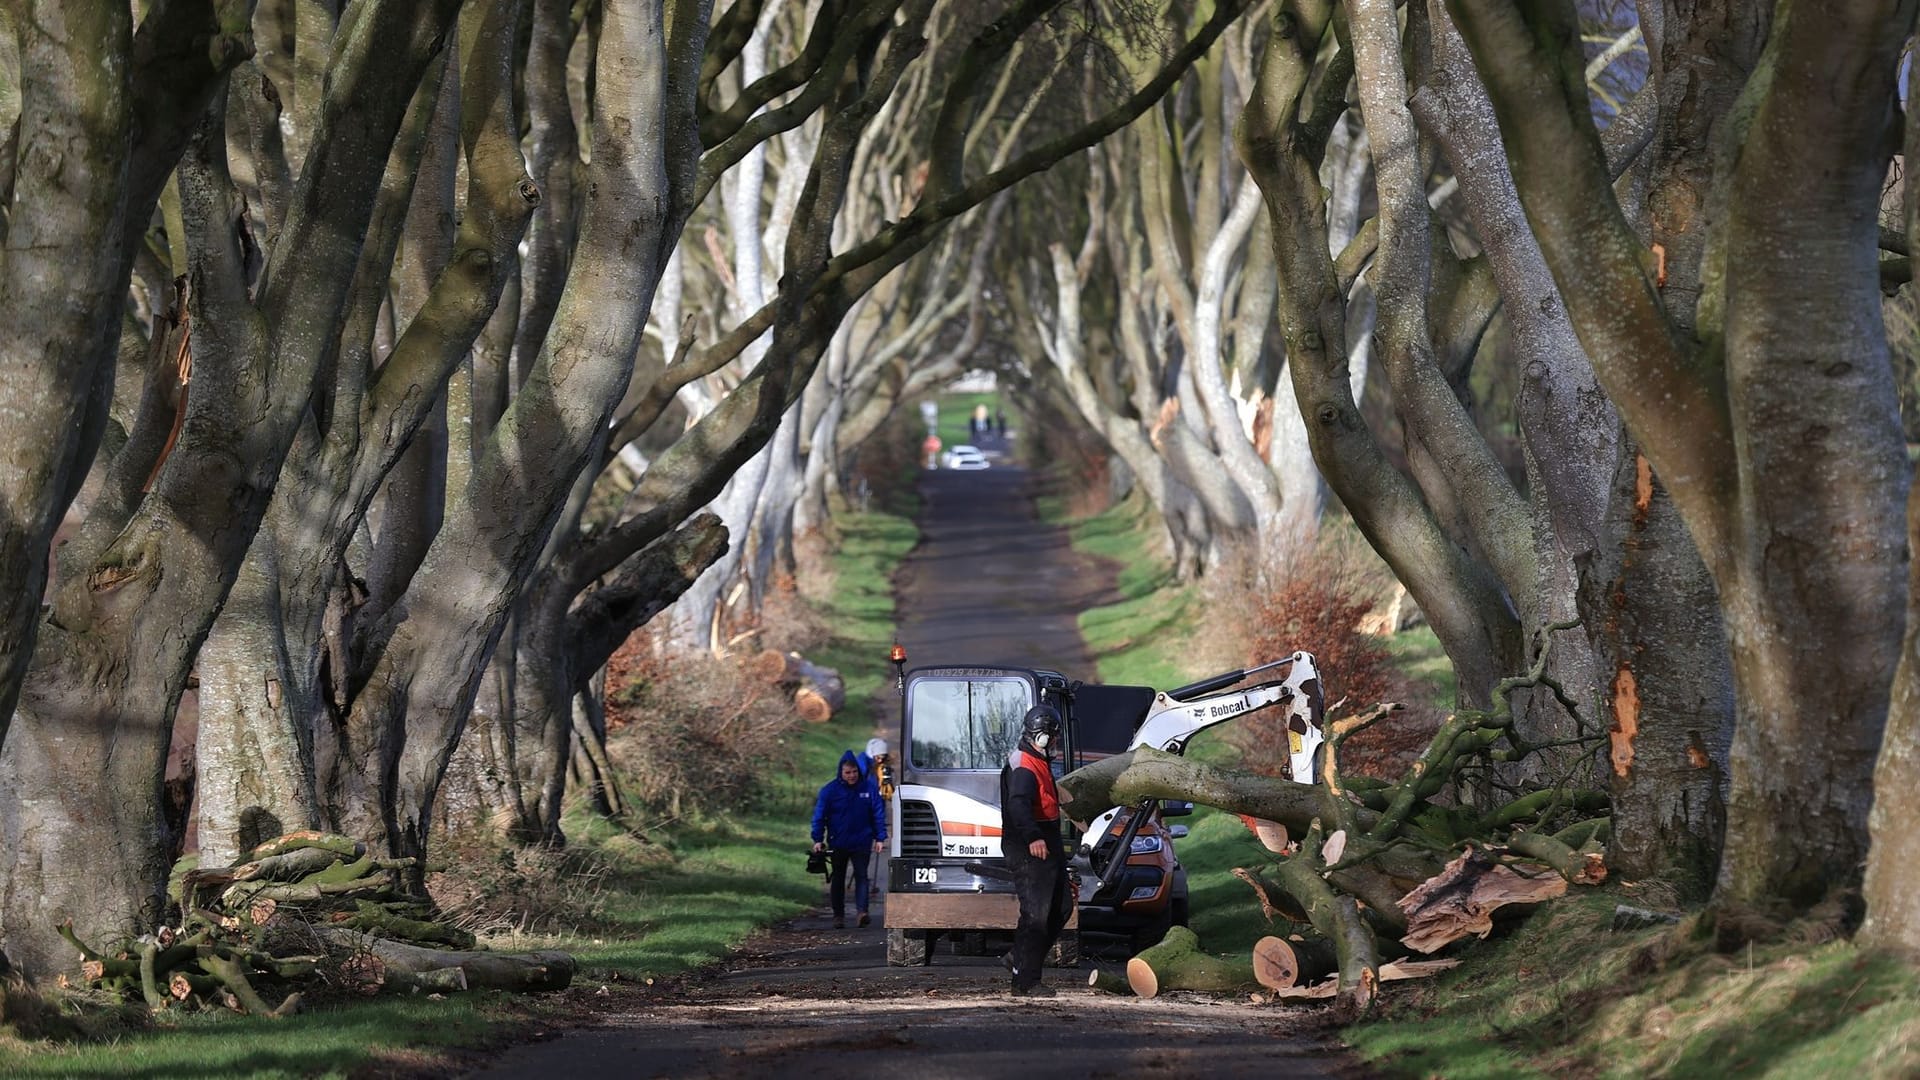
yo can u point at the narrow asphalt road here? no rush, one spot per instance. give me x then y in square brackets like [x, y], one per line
[989, 584]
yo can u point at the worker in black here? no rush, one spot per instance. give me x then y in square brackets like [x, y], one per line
[1030, 841]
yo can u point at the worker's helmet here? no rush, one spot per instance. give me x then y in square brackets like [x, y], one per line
[876, 748]
[1040, 725]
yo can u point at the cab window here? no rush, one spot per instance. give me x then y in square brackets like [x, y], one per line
[965, 723]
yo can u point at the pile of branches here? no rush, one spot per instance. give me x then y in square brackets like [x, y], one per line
[1380, 868]
[303, 912]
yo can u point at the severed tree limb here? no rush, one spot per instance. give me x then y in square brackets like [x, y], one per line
[1268, 893]
[291, 866]
[1125, 779]
[1580, 868]
[149, 984]
[519, 972]
[1578, 836]
[1336, 918]
[233, 976]
[345, 846]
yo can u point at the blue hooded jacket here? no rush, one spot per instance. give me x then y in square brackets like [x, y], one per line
[849, 816]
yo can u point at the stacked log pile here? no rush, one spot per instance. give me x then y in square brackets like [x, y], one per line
[304, 912]
[1371, 869]
[818, 692]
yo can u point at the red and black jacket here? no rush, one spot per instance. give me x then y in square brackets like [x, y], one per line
[1029, 804]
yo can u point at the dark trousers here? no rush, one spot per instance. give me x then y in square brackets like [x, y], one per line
[837, 891]
[1041, 885]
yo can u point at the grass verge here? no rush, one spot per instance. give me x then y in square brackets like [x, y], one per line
[1136, 640]
[1565, 995]
[686, 899]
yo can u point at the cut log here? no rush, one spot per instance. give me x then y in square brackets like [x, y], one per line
[773, 666]
[519, 972]
[1279, 963]
[821, 694]
[818, 692]
[1108, 982]
[1271, 834]
[1177, 963]
[1461, 899]
[184, 985]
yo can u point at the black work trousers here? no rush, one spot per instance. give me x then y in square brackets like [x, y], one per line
[857, 858]
[1041, 885]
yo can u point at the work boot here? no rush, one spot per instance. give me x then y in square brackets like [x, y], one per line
[864, 920]
[1039, 990]
[1006, 961]
[839, 923]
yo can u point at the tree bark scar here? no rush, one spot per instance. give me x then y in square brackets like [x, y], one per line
[1626, 719]
[1642, 490]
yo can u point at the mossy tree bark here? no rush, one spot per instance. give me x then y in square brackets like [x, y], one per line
[1774, 421]
[140, 584]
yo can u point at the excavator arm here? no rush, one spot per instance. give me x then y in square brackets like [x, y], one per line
[1180, 714]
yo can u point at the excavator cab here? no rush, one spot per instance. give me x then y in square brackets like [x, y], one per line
[959, 725]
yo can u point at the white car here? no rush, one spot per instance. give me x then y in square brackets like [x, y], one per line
[965, 459]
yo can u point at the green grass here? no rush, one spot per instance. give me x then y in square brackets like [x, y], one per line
[687, 901]
[1564, 995]
[323, 1043]
[1417, 653]
[1135, 641]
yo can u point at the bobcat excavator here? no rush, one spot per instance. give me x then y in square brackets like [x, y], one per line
[958, 726]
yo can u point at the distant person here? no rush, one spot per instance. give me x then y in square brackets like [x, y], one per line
[979, 425]
[1030, 842]
[931, 450]
[878, 769]
[849, 822]
[1000, 422]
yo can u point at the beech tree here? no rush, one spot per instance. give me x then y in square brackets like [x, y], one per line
[168, 525]
[1490, 565]
[1770, 415]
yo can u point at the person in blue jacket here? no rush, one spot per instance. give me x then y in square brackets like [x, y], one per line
[849, 820]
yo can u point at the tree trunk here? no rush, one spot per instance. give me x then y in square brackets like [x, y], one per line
[143, 581]
[65, 276]
[1669, 700]
[255, 767]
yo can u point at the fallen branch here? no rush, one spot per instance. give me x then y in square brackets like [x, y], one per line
[519, 972]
